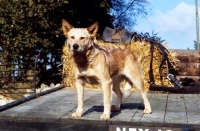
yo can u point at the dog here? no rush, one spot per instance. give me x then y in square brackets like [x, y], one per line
[108, 66]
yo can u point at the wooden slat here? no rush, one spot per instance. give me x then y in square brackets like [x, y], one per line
[188, 55]
[185, 59]
[189, 69]
[189, 65]
[195, 78]
[187, 52]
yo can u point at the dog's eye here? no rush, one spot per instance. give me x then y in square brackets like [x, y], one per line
[72, 37]
[82, 38]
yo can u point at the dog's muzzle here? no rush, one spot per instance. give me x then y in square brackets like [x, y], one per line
[75, 47]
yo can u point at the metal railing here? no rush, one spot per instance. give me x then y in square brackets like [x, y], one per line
[16, 80]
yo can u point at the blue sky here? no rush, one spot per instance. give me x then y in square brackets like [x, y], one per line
[173, 20]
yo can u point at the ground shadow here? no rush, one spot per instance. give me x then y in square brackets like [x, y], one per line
[130, 106]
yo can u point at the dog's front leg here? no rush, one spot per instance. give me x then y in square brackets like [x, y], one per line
[107, 98]
[80, 93]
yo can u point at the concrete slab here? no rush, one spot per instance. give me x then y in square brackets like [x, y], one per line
[53, 112]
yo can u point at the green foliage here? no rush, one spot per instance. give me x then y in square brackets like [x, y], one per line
[29, 26]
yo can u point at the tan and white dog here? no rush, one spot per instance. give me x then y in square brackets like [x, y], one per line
[103, 65]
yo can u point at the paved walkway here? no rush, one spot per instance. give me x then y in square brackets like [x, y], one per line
[53, 112]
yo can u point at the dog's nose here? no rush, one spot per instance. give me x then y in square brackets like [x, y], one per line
[75, 46]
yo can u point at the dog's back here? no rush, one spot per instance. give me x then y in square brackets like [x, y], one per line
[119, 58]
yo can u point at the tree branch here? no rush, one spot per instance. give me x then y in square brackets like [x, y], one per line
[126, 9]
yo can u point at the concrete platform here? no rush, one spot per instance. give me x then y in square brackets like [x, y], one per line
[52, 112]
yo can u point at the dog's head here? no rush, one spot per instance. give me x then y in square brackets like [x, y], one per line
[79, 39]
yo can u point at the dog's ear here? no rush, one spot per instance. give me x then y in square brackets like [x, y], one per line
[66, 27]
[93, 29]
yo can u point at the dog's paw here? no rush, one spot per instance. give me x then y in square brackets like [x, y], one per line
[104, 117]
[115, 109]
[147, 111]
[77, 114]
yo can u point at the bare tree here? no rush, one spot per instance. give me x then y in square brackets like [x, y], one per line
[125, 13]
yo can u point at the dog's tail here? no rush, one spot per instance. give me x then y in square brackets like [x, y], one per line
[127, 89]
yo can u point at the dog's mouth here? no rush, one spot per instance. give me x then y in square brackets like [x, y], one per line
[79, 50]
[76, 51]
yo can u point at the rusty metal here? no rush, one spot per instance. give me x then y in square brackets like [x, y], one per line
[173, 80]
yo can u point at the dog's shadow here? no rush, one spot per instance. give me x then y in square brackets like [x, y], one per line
[124, 106]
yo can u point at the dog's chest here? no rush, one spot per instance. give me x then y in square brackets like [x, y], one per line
[92, 80]
[88, 77]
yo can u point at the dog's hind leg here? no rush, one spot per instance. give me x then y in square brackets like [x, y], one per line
[135, 76]
[116, 88]
[127, 89]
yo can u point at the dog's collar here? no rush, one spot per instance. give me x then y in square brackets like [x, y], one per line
[92, 59]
